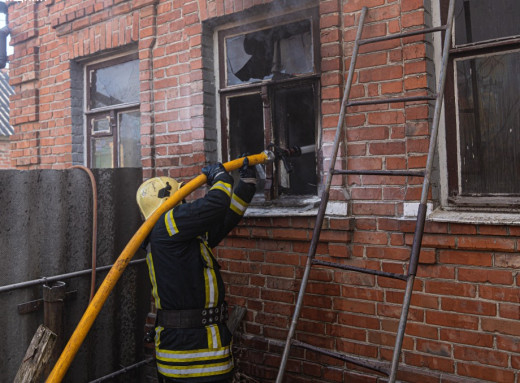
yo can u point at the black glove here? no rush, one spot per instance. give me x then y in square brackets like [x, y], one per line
[212, 172]
[247, 173]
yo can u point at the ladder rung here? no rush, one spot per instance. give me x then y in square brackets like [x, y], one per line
[375, 366]
[391, 100]
[411, 173]
[401, 35]
[360, 270]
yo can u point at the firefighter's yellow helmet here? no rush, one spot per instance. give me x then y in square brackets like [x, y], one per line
[154, 192]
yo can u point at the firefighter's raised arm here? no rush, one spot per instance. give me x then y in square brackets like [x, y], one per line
[240, 199]
[198, 217]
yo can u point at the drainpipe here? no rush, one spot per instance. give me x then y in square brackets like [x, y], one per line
[4, 32]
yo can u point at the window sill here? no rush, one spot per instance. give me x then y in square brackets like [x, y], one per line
[474, 217]
[301, 206]
[493, 204]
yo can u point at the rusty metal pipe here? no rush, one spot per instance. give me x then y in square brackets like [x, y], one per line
[44, 280]
[94, 227]
[308, 149]
[123, 370]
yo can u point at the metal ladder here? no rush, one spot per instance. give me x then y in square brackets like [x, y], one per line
[409, 277]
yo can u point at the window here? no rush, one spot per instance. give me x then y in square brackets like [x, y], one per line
[112, 115]
[269, 92]
[483, 105]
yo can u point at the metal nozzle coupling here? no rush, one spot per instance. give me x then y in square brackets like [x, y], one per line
[270, 155]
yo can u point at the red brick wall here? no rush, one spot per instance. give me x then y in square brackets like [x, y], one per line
[46, 37]
[463, 321]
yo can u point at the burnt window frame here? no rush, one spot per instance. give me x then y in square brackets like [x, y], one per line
[265, 88]
[460, 52]
[112, 112]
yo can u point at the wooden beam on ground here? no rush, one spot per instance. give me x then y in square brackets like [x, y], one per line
[235, 318]
[37, 356]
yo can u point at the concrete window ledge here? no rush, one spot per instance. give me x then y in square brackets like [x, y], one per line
[470, 217]
[295, 207]
[461, 216]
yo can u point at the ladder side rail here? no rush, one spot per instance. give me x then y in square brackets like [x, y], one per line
[324, 200]
[421, 214]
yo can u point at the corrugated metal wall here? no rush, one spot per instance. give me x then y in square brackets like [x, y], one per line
[45, 230]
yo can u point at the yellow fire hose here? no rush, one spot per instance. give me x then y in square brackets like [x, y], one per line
[95, 305]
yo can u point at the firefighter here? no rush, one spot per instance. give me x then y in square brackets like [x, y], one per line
[192, 342]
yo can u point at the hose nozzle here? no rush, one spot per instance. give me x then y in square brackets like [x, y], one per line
[294, 151]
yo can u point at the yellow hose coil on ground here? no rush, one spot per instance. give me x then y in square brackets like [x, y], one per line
[95, 305]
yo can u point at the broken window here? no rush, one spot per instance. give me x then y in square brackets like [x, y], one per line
[113, 117]
[269, 96]
[483, 104]
[272, 53]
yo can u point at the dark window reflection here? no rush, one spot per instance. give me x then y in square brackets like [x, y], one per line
[489, 124]
[473, 21]
[295, 119]
[130, 139]
[246, 128]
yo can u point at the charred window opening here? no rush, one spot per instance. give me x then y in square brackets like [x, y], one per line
[246, 129]
[294, 117]
[483, 114]
[275, 53]
[269, 89]
[113, 117]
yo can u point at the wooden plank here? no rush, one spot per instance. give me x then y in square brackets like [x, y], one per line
[235, 318]
[37, 356]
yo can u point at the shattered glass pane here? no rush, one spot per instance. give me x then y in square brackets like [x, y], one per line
[117, 84]
[275, 53]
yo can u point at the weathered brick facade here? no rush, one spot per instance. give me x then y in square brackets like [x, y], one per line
[464, 319]
[5, 147]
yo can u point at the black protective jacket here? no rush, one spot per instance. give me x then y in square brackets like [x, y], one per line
[185, 276]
